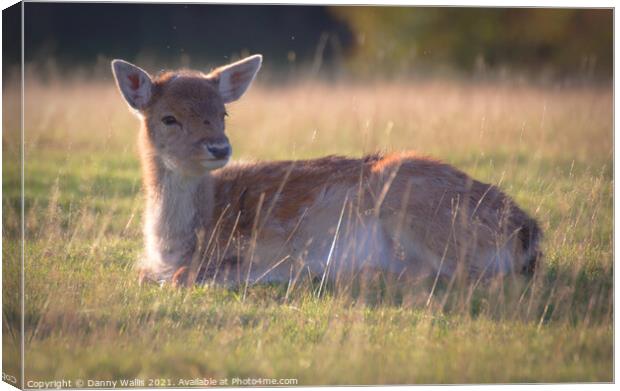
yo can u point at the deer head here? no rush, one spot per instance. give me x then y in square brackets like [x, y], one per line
[184, 112]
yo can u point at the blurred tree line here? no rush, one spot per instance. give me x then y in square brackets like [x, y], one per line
[556, 42]
[357, 41]
[63, 36]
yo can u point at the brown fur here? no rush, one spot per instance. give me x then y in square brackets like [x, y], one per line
[406, 212]
[442, 202]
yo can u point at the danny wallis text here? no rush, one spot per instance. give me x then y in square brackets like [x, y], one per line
[116, 383]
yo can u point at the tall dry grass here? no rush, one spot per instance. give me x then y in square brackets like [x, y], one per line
[549, 148]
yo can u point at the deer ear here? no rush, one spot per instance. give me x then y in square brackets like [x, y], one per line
[134, 83]
[234, 79]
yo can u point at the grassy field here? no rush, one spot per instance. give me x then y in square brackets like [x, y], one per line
[87, 318]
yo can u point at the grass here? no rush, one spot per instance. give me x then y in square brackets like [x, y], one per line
[87, 318]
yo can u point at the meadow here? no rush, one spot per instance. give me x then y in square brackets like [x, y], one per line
[86, 316]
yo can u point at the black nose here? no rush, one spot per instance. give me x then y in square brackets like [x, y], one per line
[219, 152]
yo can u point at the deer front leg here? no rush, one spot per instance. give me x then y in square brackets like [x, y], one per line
[181, 277]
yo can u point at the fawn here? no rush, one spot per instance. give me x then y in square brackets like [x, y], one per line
[400, 213]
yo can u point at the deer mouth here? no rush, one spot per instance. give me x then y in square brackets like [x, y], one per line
[212, 163]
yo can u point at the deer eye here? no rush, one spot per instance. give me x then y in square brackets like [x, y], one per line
[169, 120]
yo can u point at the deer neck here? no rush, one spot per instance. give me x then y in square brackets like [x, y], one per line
[177, 207]
[174, 198]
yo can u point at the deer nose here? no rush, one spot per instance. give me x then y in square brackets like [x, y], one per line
[219, 151]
